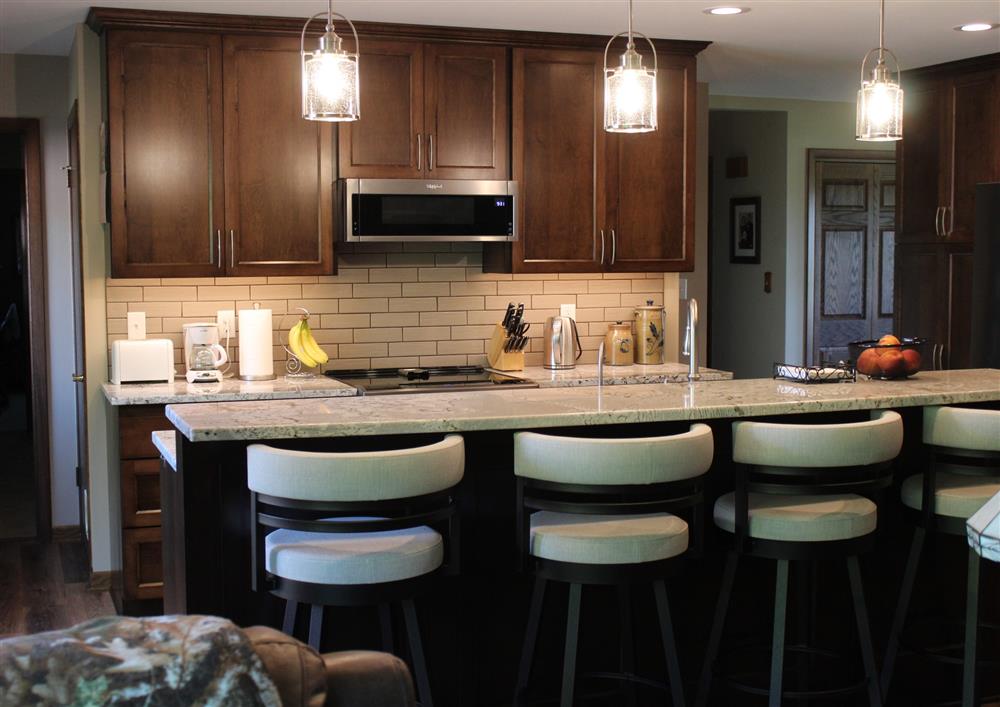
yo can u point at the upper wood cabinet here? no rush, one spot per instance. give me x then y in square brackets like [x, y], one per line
[213, 169]
[594, 201]
[429, 111]
[165, 119]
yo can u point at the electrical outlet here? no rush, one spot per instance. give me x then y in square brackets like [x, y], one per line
[567, 310]
[226, 319]
[136, 326]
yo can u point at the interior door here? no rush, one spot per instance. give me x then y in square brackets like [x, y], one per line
[279, 167]
[79, 350]
[854, 250]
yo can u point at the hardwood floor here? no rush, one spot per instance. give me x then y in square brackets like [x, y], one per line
[44, 587]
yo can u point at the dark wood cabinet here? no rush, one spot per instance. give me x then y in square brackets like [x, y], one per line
[278, 166]
[429, 111]
[165, 120]
[974, 141]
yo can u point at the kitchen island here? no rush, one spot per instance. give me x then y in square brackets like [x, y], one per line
[206, 503]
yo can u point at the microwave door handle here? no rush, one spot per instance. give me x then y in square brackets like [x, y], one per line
[430, 151]
[420, 152]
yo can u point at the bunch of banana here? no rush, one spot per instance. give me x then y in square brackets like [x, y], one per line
[304, 346]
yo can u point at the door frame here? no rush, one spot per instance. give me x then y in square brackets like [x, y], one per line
[813, 156]
[38, 344]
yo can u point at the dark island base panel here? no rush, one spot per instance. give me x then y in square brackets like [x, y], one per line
[473, 624]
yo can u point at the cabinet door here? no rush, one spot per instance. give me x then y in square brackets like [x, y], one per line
[958, 353]
[466, 112]
[919, 158]
[921, 294]
[279, 166]
[973, 147]
[165, 129]
[651, 180]
[558, 159]
[383, 143]
[142, 563]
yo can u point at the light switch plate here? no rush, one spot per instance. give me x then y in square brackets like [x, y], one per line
[226, 319]
[136, 326]
[567, 310]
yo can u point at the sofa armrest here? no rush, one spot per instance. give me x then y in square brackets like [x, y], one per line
[296, 669]
[367, 679]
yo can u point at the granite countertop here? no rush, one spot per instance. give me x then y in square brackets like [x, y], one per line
[586, 375]
[180, 391]
[165, 442]
[526, 408]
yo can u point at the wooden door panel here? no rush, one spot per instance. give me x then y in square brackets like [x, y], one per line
[142, 563]
[844, 279]
[958, 353]
[140, 487]
[974, 148]
[165, 128]
[918, 158]
[466, 111]
[558, 139]
[652, 179]
[921, 300]
[279, 171]
[383, 142]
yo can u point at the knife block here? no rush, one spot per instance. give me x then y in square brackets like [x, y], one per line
[498, 358]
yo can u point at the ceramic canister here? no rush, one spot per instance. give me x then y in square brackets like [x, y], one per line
[650, 322]
[618, 344]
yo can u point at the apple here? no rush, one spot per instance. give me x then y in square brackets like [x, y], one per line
[868, 362]
[892, 364]
[889, 340]
[911, 360]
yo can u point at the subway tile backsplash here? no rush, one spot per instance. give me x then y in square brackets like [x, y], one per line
[390, 305]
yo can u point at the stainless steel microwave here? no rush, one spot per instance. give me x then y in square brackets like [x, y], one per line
[386, 210]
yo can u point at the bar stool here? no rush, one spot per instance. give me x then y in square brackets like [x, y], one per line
[600, 512]
[800, 495]
[963, 473]
[355, 529]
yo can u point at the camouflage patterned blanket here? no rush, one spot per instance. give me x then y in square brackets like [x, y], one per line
[165, 661]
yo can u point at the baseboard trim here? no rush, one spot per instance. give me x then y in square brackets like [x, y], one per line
[66, 534]
[100, 581]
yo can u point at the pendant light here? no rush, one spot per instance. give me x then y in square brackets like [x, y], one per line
[880, 99]
[629, 89]
[330, 87]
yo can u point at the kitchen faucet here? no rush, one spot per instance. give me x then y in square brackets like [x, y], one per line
[690, 340]
[600, 365]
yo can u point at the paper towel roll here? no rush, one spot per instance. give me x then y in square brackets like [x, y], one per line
[256, 352]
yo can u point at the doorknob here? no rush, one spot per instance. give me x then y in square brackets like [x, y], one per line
[78, 378]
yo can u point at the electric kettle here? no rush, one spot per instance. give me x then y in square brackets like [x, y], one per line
[562, 343]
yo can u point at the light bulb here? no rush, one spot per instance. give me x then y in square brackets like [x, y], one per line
[879, 105]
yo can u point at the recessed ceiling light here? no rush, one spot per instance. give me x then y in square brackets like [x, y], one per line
[726, 10]
[977, 26]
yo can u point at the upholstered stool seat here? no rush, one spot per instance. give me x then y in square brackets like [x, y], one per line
[353, 558]
[800, 518]
[603, 539]
[955, 495]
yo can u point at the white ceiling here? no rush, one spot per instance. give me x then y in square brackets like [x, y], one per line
[782, 48]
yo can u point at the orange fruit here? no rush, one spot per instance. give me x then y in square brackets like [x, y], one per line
[911, 361]
[891, 363]
[868, 362]
[889, 340]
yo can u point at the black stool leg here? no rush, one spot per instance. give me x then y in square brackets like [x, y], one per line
[718, 623]
[969, 696]
[778, 637]
[902, 606]
[315, 625]
[288, 624]
[417, 653]
[385, 622]
[530, 636]
[627, 644]
[569, 657]
[864, 633]
[669, 647]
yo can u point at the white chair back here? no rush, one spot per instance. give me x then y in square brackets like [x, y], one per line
[962, 428]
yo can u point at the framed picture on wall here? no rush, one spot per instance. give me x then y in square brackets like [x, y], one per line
[744, 229]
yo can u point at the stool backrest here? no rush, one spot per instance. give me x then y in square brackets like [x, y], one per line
[620, 461]
[962, 428]
[852, 444]
[356, 476]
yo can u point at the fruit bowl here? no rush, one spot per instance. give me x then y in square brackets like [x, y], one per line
[888, 361]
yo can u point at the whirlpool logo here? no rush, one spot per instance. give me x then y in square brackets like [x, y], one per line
[431, 185]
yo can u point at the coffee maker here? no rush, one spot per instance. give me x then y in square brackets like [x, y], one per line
[203, 355]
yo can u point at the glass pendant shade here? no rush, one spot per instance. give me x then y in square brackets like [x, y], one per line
[629, 88]
[330, 80]
[880, 98]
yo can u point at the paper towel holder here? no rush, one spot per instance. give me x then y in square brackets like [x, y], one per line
[253, 376]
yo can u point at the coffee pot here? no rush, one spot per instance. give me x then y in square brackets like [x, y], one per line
[562, 343]
[203, 355]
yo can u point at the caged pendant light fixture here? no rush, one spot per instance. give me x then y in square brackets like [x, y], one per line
[880, 98]
[330, 86]
[629, 89]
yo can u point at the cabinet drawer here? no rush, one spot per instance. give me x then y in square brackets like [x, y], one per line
[140, 493]
[142, 563]
[135, 431]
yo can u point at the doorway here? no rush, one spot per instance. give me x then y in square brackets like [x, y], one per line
[852, 217]
[25, 503]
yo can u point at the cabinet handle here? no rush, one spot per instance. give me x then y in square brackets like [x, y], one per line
[937, 223]
[614, 245]
[420, 152]
[950, 211]
[232, 250]
[218, 247]
[430, 151]
[602, 246]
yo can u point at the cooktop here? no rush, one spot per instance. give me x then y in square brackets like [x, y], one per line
[442, 379]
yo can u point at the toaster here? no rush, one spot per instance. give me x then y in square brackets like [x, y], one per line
[142, 361]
